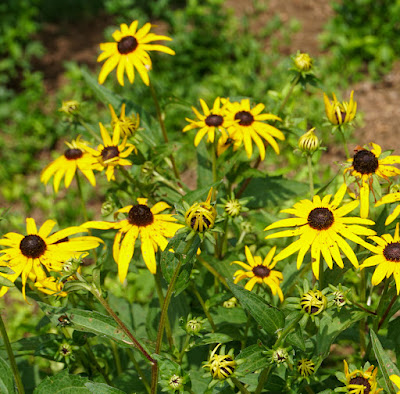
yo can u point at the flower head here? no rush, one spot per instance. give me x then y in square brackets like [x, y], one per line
[129, 51]
[388, 199]
[322, 226]
[259, 271]
[340, 113]
[222, 365]
[212, 121]
[361, 382]
[36, 254]
[111, 153]
[201, 215]
[386, 258]
[128, 125]
[70, 107]
[313, 302]
[396, 380]
[365, 165]
[305, 367]
[50, 285]
[152, 227]
[65, 166]
[303, 61]
[309, 142]
[247, 125]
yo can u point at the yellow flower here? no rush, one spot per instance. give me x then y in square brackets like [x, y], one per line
[303, 61]
[322, 226]
[260, 272]
[69, 107]
[340, 113]
[313, 302]
[111, 153]
[226, 140]
[305, 367]
[127, 125]
[152, 227]
[221, 366]
[65, 166]
[213, 120]
[129, 51]
[388, 199]
[40, 252]
[309, 142]
[247, 125]
[360, 382]
[366, 164]
[387, 258]
[396, 380]
[51, 286]
[201, 215]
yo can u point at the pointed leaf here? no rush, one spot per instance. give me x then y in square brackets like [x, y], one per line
[386, 365]
[255, 359]
[6, 378]
[271, 319]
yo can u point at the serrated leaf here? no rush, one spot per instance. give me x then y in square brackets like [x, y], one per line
[89, 321]
[271, 319]
[32, 343]
[102, 388]
[255, 359]
[6, 378]
[386, 366]
[296, 339]
[63, 383]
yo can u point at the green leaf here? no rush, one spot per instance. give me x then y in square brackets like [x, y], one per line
[296, 339]
[63, 383]
[330, 328]
[89, 321]
[6, 270]
[255, 359]
[6, 282]
[6, 378]
[204, 172]
[32, 343]
[268, 317]
[386, 366]
[102, 388]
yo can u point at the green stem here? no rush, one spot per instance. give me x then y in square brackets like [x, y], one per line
[203, 305]
[246, 332]
[161, 300]
[96, 364]
[139, 371]
[263, 379]
[117, 358]
[363, 295]
[223, 245]
[321, 273]
[125, 329]
[164, 311]
[91, 131]
[239, 385]
[184, 347]
[127, 175]
[210, 268]
[11, 358]
[163, 129]
[214, 160]
[386, 313]
[310, 175]
[287, 330]
[346, 149]
[80, 192]
[289, 93]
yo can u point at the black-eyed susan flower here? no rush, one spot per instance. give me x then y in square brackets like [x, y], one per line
[201, 215]
[305, 367]
[212, 121]
[222, 365]
[247, 125]
[129, 51]
[386, 258]
[50, 285]
[111, 153]
[340, 113]
[323, 227]
[365, 165]
[39, 252]
[152, 227]
[259, 271]
[360, 381]
[127, 125]
[396, 380]
[313, 302]
[65, 166]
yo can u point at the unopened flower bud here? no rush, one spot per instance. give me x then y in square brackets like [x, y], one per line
[70, 107]
[313, 302]
[231, 303]
[176, 382]
[305, 367]
[339, 299]
[201, 216]
[193, 326]
[280, 356]
[233, 208]
[303, 61]
[309, 142]
[107, 208]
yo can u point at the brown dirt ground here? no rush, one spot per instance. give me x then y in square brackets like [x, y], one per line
[377, 101]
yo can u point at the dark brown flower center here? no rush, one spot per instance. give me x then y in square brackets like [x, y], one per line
[245, 118]
[127, 45]
[32, 246]
[320, 218]
[261, 271]
[342, 117]
[392, 252]
[73, 154]
[65, 239]
[196, 218]
[140, 215]
[109, 152]
[365, 162]
[214, 120]
[359, 380]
